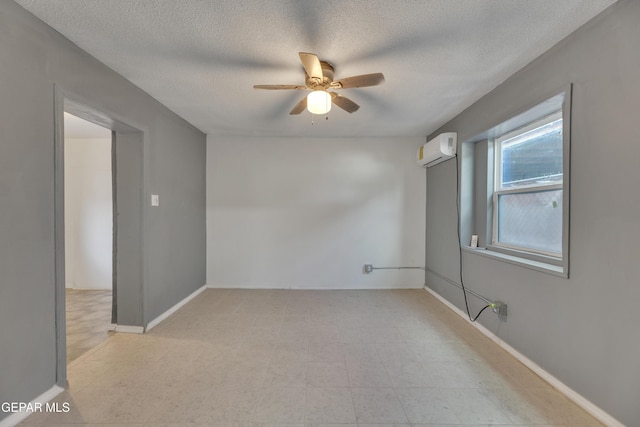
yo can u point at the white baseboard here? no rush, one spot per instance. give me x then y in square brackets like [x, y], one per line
[129, 329]
[155, 322]
[17, 417]
[577, 398]
[313, 287]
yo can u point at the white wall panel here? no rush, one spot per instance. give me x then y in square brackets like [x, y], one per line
[308, 213]
[88, 213]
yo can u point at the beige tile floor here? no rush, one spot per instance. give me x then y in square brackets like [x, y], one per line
[308, 358]
[88, 315]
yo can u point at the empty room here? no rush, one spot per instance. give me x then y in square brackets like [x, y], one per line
[320, 213]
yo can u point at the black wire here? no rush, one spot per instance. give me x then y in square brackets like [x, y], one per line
[464, 290]
[480, 312]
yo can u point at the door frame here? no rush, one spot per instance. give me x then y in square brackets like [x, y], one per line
[66, 101]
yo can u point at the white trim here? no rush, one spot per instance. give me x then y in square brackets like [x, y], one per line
[535, 188]
[573, 395]
[17, 417]
[155, 322]
[315, 287]
[129, 329]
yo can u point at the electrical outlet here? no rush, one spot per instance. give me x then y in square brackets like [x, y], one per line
[502, 313]
[368, 268]
[500, 308]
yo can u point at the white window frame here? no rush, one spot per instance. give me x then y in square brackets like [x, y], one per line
[499, 190]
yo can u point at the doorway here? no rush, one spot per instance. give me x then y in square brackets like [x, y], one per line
[123, 165]
[88, 212]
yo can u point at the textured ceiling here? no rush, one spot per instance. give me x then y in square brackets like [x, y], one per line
[201, 58]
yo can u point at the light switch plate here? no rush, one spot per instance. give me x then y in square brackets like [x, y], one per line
[155, 200]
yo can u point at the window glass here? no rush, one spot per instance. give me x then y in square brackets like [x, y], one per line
[528, 188]
[533, 157]
[531, 220]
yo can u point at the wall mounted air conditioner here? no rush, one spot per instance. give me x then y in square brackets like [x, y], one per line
[437, 150]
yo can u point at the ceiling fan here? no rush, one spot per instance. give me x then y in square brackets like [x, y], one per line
[319, 79]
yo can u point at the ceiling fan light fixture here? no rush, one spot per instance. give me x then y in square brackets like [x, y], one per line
[319, 102]
[319, 78]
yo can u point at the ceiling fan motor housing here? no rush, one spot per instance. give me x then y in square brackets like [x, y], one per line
[327, 77]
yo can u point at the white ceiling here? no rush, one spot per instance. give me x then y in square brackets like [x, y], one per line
[201, 58]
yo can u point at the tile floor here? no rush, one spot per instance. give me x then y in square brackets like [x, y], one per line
[308, 358]
[88, 320]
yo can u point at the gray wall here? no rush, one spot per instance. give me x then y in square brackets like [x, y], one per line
[34, 58]
[128, 255]
[583, 330]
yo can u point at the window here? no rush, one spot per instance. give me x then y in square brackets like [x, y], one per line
[514, 187]
[528, 188]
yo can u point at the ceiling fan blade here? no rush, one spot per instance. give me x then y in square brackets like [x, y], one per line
[345, 103]
[300, 106]
[311, 65]
[363, 80]
[279, 87]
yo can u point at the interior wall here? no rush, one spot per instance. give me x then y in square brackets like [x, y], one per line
[582, 329]
[310, 212]
[173, 167]
[88, 211]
